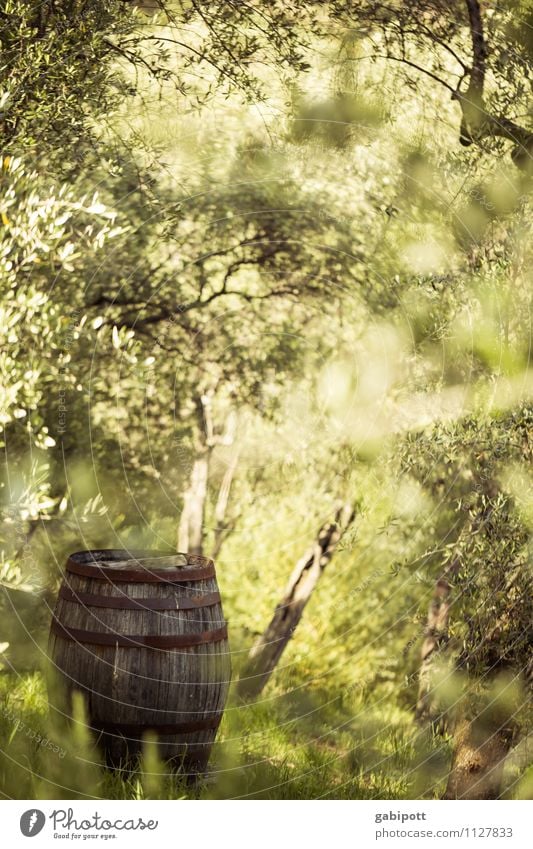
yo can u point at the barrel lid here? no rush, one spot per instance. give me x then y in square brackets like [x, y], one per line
[141, 566]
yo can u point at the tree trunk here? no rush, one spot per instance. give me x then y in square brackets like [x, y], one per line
[266, 653]
[192, 520]
[191, 524]
[428, 708]
[480, 748]
[223, 527]
[435, 640]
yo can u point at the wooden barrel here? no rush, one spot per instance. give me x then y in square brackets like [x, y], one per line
[142, 636]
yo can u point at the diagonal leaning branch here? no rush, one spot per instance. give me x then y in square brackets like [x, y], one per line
[265, 655]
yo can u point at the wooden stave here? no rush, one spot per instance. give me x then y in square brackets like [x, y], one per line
[147, 641]
[121, 601]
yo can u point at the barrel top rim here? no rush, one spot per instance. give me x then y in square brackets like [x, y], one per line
[98, 557]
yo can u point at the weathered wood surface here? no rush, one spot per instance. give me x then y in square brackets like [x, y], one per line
[267, 651]
[175, 561]
[146, 687]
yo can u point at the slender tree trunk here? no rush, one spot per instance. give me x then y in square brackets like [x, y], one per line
[191, 524]
[481, 745]
[191, 527]
[435, 641]
[222, 527]
[266, 653]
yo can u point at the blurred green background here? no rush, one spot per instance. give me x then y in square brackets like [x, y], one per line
[249, 273]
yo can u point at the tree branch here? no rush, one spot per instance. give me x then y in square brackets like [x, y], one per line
[477, 123]
[419, 68]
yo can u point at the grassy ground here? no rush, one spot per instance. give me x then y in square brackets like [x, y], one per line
[283, 748]
[336, 719]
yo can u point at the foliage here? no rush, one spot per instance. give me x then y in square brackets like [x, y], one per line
[465, 467]
[248, 228]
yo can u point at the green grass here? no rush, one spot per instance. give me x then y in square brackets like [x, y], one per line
[284, 748]
[335, 721]
[299, 744]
